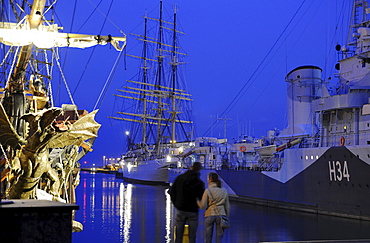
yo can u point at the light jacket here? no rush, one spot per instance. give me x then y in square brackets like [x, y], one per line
[215, 200]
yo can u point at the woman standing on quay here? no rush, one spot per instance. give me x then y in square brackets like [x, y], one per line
[216, 200]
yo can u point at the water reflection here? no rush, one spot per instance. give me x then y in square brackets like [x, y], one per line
[125, 211]
[168, 216]
[92, 197]
[113, 211]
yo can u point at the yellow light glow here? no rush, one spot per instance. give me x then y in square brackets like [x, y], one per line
[181, 149]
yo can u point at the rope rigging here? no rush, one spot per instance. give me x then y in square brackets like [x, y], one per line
[114, 68]
[237, 97]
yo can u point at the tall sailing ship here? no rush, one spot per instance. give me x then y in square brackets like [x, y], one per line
[156, 104]
[40, 143]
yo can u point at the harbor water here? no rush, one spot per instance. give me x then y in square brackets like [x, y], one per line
[114, 211]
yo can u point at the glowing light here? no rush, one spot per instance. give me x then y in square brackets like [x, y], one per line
[168, 158]
[22, 37]
[47, 36]
[130, 167]
[181, 149]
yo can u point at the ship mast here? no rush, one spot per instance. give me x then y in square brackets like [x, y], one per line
[159, 79]
[358, 20]
[14, 91]
[174, 64]
[36, 36]
[158, 100]
[145, 81]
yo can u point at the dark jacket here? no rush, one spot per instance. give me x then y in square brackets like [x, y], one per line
[185, 191]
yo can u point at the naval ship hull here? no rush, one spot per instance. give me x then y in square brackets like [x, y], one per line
[337, 183]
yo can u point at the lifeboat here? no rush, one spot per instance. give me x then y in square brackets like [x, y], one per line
[288, 144]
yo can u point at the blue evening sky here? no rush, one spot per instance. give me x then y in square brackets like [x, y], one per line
[238, 55]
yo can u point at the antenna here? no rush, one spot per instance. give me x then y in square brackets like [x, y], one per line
[225, 120]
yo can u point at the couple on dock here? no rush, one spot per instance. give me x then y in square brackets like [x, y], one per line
[188, 194]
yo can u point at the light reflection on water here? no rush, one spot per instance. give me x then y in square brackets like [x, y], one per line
[168, 216]
[113, 211]
[125, 211]
[92, 199]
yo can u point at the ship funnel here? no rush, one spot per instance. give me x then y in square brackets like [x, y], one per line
[304, 84]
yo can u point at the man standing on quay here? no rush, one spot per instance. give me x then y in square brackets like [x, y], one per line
[185, 191]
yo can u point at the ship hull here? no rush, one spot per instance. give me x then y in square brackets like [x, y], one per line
[331, 181]
[337, 183]
[151, 172]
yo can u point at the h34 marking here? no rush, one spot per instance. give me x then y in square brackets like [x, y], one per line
[338, 170]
